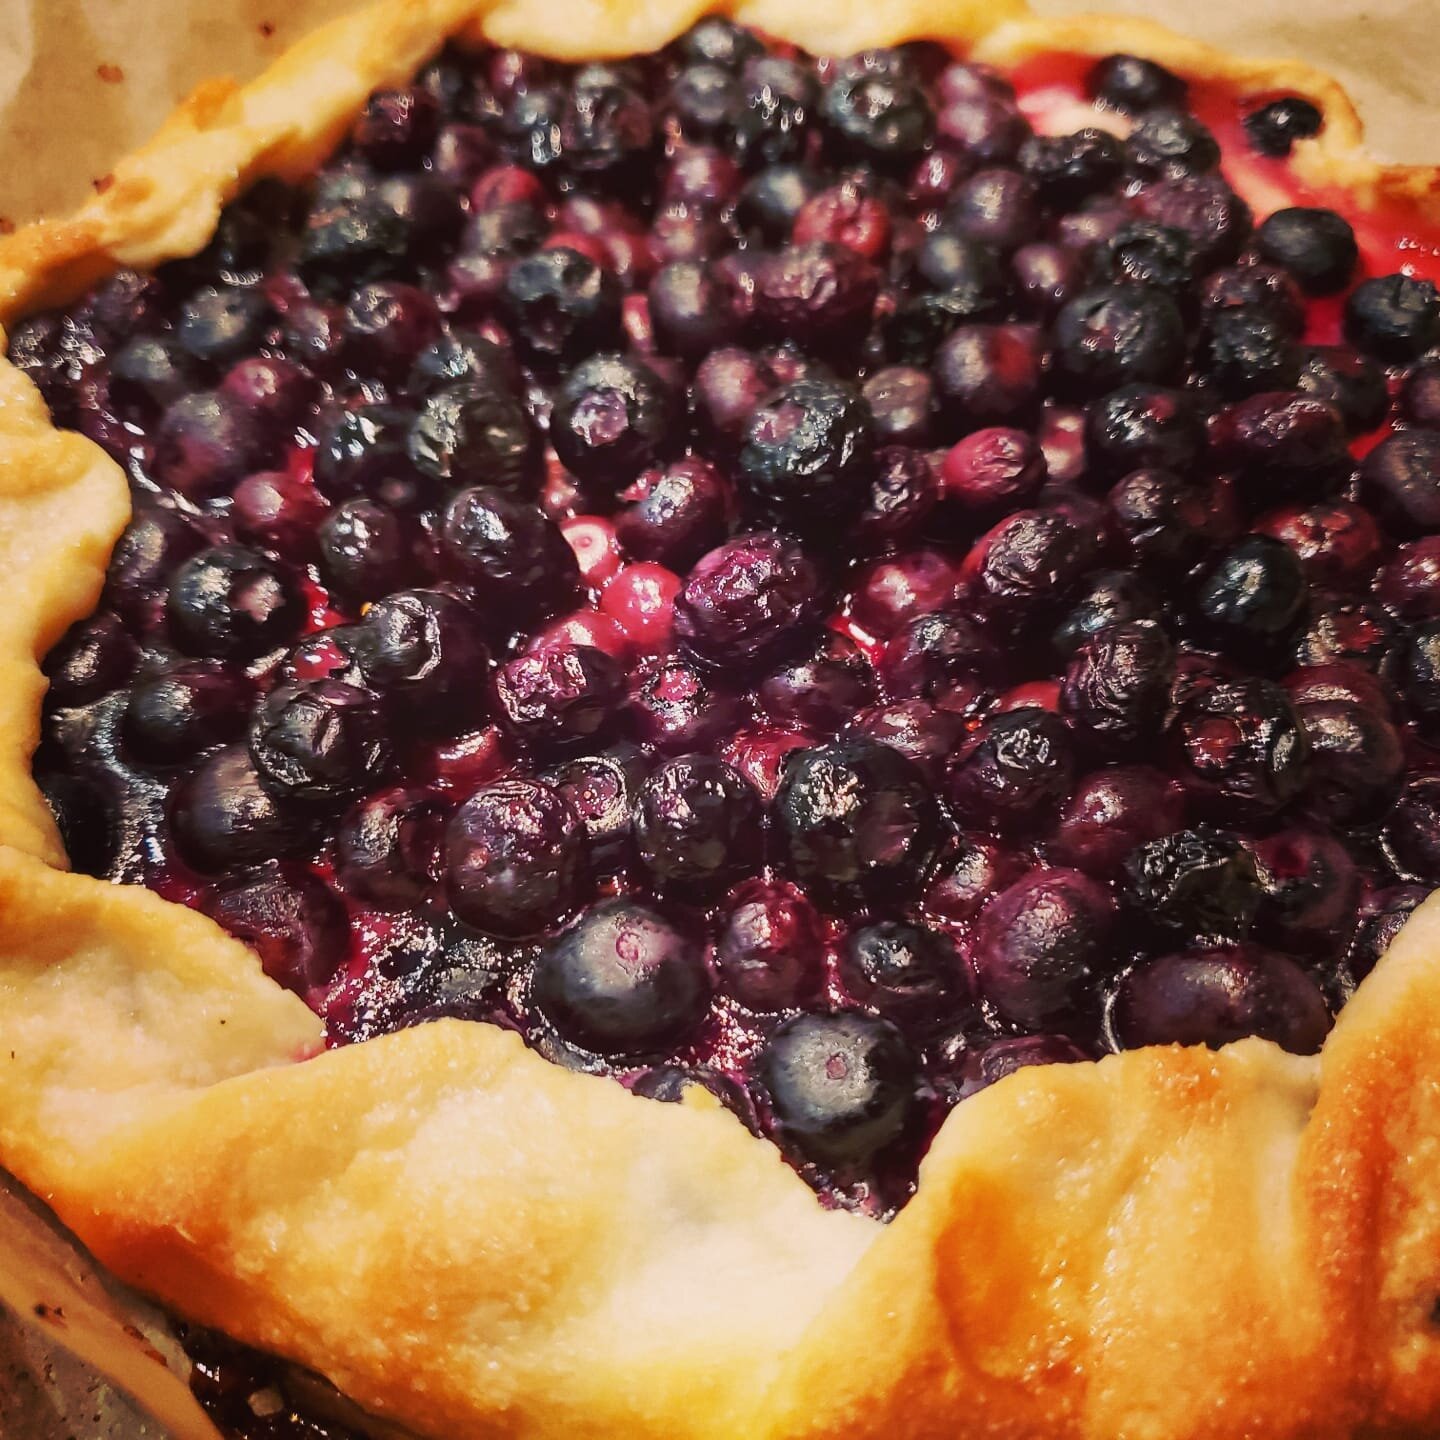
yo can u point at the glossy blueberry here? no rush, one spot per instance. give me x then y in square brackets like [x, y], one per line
[1143, 427]
[857, 818]
[1392, 317]
[818, 295]
[808, 451]
[222, 818]
[396, 128]
[749, 602]
[690, 309]
[1273, 128]
[473, 433]
[205, 443]
[561, 695]
[293, 923]
[1215, 220]
[1382, 918]
[606, 129]
[718, 40]
[1337, 543]
[623, 981]
[173, 716]
[1115, 335]
[1286, 441]
[1311, 889]
[876, 110]
[1401, 478]
[385, 327]
[1026, 567]
[1111, 813]
[1166, 518]
[387, 849]
[937, 653]
[601, 789]
[1041, 950]
[1254, 592]
[219, 324]
[987, 375]
[321, 742]
[361, 452]
[1261, 287]
[777, 105]
[515, 859]
[906, 972]
[1107, 597]
[821, 691]
[1117, 684]
[842, 1087]
[1247, 350]
[613, 417]
[679, 513]
[1014, 771]
[366, 550]
[675, 707]
[1133, 85]
[1067, 168]
[1316, 246]
[230, 602]
[1356, 756]
[1419, 395]
[91, 659]
[1202, 884]
[1211, 997]
[506, 549]
[697, 824]
[769, 949]
[1411, 836]
[1166, 143]
[560, 305]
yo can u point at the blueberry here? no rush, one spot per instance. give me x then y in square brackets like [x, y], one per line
[1146, 253]
[219, 324]
[320, 742]
[1392, 317]
[149, 372]
[1420, 675]
[152, 547]
[1015, 770]
[777, 103]
[1111, 813]
[387, 849]
[749, 602]
[1202, 884]
[396, 128]
[1117, 684]
[705, 100]
[690, 309]
[1254, 592]
[385, 328]
[1356, 755]
[529, 126]
[1118, 334]
[613, 417]
[1401, 478]
[674, 707]
[997, 207]
[507, 550]
[904, 490]
[1133, 86]
[1143, 427]
[771, 199]
[223, 818]
[230, 602]
[515, 859]
[1026, 567]
[623, 981]
[1242, 750]
[460, 355]
[818, 295]
[842, 1087]
[906, 972]
[1042, 949]
[876, 110]
[366, 550]
[988, 375]
[697, 824]
[1211, 997]
[361, 452]
[606, 130]
[1312, 888]
[902, 401]
[563, 695]
[769, 948]
[1167, 519]
[936, 653]
[91, 659]
[822, 690]
[1259, 287]
[681, 513]
[1283, 440]
[808, 451]
[1247, 350]
[993, 469]
[1348, 383]
[1273, 128]
[1109, 597]
[857, 818]
[1419, 395]
[421, 649]
[922, 732]
[601, 789]
[293, 923]
[1384, 917]
[1204, 209]
[718, 40]
[475, 432]
[1067, 168]
[173, 716]
[1168, 143]
[560, 305]
[982, 1066]
[204, 443]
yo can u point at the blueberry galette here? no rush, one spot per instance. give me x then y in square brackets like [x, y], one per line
[722, 742]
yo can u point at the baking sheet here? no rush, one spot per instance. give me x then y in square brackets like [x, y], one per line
[83, 81]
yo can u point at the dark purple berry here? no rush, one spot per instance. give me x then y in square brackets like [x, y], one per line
[230, 602]
[1316, 246]
[1392, 317]
[1014, 772]
[613, 417]
[769, 949]
[1273, 128]
[508, 551]
[558, 696]
[1201, 884]
[387, 849]
[697, 824]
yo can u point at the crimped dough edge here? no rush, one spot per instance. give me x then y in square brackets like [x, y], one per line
[1168, 1244]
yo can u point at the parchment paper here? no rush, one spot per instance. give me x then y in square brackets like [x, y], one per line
[83, 81]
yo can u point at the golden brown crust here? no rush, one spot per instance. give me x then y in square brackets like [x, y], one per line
[1168, 1245]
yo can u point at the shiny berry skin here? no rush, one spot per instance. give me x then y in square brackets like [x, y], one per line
[508, 551]
[385, 327]
[601, 789]
[1025, 567]
[997, 207]
[821, 691]
[1356, 759]
[1107, 597]
[679, 513]
[640, 598]
[1143, 427]
[367, 550]
[1253, 593]
[906, 972]
[876, 110]
[807, 451]
[613, 417]
[1351, 385]
[1133, 86]
[987, 375]
[515, 859]
[218, 325]
[1410, 583]
[388, 849]
[856, 819]
[1014, 772]
[321, 742]
[1117, 335]
[1411, 836]
[1042, 948]
[1383, 916]
[842, 1087]
[278, 510]
[895, 590]
[676, 707]
[1392, 317]
[472, 433]
[230, 602]
[1316, 246]
[697, 823]
[222, 818]
[818, 295]
[777, 106]
[396, 128]
[993, 469]
[173, 716]
[1420, 395]
[1248, 351]
[1111, 813]
[293, 923]
[1242, 751]
[981, 1067]
[1311, 886]
[562, 696]
[362, 454]
[769, 950]
[1067, 168]
[936, 654]
[623, 981]
[1202, 884]
[749, 601]
[1400, 477]
[204, 443]
[93, 658]
[1212, 997]
[1117, 684]
[1337, 543]
[1341, 629]
[1168, 143]
[560, 305]
[1168, 519]
[1273, 129]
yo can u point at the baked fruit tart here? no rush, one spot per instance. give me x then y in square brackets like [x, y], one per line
[716, 726]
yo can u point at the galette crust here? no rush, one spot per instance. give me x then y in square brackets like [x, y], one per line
[467, 1240]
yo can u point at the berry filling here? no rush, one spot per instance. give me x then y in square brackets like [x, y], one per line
[826, 581]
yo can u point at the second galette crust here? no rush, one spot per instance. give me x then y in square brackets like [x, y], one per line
[1166, 1245]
